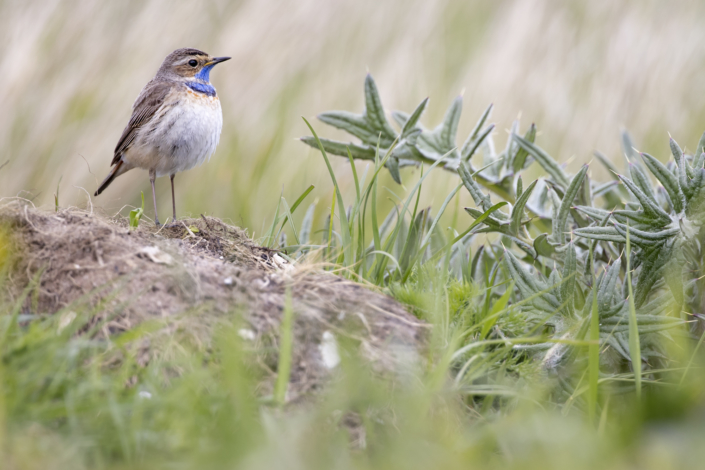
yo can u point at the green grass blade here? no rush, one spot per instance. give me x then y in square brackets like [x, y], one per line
[413, 235]
[354, 172]
[269, 237]
[375, 226]
[344, 227]
[307, 224]
[478, 221]
[288, 217]
[693, 356]
[411, 252]
[499, 305]
[56, 194]
[400, 219]
[446, 248]
[440, 213]
[298, 202]
[331, 217]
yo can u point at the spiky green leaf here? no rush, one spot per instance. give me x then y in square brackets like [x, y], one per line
[410, 128]
[609, 234]
[545, 160]
[519, 161]
[374, 112]
[474, 134]
[473, 188]
[642, 181]
[667, 179]
[469, 148]
[518, 209]
[651, 208]
[559, 222]
[359, 152]
[647, 239]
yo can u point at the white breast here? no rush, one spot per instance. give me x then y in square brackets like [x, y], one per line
[182, 134]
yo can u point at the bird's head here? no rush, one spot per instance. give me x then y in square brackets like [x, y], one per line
[190, 64]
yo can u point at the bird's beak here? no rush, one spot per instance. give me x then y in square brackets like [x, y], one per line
[217, 60]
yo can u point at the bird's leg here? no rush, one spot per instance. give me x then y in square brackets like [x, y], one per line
[152, 177]
[173, 198]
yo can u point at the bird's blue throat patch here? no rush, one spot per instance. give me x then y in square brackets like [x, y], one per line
[200, 87]
[205, 73]
[203, 84]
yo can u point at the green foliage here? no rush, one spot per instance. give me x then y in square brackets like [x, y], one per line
[412, 145]
[135, 214]
[56, 194]
[558, 241]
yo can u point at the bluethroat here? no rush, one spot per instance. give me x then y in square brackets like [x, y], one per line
[175, 124]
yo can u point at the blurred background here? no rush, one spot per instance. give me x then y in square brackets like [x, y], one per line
[581, 70]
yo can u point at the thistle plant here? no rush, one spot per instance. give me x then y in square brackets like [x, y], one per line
[663, 220]
[617, 264]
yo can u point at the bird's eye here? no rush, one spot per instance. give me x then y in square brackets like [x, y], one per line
[193, 62]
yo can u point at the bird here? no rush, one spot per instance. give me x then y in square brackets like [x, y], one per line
[176, 122]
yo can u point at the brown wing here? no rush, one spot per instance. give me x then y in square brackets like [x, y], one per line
[148, 102]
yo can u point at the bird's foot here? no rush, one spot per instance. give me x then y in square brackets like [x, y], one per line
[173, 224]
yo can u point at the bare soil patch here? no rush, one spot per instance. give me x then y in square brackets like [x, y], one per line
[210, 272]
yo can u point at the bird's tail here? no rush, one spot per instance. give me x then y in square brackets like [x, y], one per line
[119, 168]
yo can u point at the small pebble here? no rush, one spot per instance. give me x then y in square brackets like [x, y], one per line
[246, 334]
[329, 350]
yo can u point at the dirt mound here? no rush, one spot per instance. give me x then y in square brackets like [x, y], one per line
[206, 269]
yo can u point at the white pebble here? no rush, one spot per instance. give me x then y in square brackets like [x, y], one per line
[329, 350]
[246, 334]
